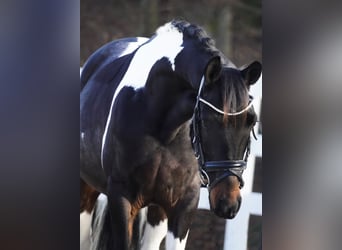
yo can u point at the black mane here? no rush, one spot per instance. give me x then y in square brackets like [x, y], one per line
[197, 33]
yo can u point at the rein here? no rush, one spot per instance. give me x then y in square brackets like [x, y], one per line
[228, 167]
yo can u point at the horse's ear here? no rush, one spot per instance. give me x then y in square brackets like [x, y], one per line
[252, 72]
[213, 70]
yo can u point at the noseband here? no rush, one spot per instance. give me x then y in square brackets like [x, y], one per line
[227, 167]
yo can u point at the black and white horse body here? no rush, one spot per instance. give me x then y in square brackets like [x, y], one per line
[156, 151]
[137, 103]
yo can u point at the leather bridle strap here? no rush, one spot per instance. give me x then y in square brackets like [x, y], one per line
[228, 168]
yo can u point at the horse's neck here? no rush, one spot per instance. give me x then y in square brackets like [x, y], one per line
[170, 106]
[192, 67]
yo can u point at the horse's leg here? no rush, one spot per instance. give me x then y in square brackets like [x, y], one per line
[155, 228]
[121, 216]
[85, 225]
[179, 222]
[88, 197]
[176, 241]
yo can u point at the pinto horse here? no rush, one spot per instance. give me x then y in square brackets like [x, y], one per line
[159, 117]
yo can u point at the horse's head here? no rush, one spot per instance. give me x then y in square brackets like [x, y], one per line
[223, 120]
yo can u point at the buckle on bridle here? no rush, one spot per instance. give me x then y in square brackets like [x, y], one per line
[204, 177]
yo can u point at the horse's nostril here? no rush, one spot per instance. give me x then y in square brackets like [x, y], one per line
[232, 212]
[223, 206]
[239, 204]
[226, 210]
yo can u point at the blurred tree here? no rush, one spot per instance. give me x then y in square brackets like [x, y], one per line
[150, 17]
[234, 24]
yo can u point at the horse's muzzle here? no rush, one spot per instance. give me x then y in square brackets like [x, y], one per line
[225, 210]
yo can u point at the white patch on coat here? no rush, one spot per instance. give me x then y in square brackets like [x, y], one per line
[173, 243]
[153, 235]
[98, 220]
[167, 43]
[134, 45]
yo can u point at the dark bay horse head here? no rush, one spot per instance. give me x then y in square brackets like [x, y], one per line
[223, 120]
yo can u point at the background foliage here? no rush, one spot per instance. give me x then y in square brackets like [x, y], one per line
[235, 25]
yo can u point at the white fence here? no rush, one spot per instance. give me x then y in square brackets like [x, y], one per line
[236, 232]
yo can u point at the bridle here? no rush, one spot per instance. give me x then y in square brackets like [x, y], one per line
[227, 167]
